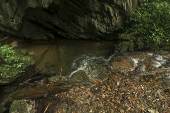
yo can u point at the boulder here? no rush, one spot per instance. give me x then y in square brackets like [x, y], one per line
[87, 72]
[90, 72]
[22, 106]
[72, 19]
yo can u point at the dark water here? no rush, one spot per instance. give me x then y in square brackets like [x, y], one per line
[54, 55]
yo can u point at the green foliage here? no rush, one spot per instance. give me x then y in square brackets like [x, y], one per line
[145, 81]
[9, 60]
[151, 21]
[31, 53]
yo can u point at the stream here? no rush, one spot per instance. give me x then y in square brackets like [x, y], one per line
[73, 55]
[63, 53]
[95, 59]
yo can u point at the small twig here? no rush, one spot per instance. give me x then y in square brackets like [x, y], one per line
[47, 107]
[60, 77]
[60, 74]
[36, 72]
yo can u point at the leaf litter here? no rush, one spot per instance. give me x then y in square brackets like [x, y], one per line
[119, 93]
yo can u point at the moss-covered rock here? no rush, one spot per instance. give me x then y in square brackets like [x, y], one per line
[125, 46]
[128, 42]
[22, 106]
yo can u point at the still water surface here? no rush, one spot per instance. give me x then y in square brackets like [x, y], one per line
[57, 54]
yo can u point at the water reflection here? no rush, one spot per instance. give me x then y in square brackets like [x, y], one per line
[61, 53]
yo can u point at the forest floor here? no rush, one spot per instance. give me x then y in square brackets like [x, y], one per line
[119, 94]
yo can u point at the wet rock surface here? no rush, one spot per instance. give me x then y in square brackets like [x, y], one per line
[146, 65]
[81, 77]
[139, 62]
[89, 74]
[91, 69]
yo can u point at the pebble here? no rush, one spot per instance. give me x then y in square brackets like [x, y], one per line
[14, 44]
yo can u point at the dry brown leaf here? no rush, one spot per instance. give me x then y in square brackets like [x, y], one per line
[101, 104]
[91, 111]
[103, 96]
[87, 89]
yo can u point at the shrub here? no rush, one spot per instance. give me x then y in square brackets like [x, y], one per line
[151, 21]
[11, 61]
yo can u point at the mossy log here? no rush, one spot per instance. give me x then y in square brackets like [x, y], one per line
[42, 91]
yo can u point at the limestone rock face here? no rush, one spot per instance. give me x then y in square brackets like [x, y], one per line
[73, 19]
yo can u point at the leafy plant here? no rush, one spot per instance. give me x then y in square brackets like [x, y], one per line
[10, 60]
[31, 53]
[151, 21]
